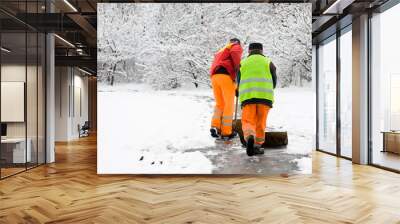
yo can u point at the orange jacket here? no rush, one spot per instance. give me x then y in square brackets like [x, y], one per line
[229, 58]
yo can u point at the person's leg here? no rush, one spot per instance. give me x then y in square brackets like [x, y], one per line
[219, 103]
[261, 123]
[249, 127]
[228, 93]
[249, 120]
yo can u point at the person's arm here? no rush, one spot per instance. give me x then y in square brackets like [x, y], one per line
[272, 68]
[236, 55]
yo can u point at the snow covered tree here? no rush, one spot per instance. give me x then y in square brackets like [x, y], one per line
[168, 45]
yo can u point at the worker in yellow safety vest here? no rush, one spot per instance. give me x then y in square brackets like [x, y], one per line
[257, 81]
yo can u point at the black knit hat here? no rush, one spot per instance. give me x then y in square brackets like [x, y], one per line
[235, 40]
[255, 46]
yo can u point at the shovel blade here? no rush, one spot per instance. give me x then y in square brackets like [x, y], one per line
[273, 139]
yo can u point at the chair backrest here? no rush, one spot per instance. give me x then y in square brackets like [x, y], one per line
[86, 125]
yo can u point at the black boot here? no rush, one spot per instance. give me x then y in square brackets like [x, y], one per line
[250, 146]
[214, 133]
[258, 150]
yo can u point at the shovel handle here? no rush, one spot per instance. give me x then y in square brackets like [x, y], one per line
[236, 107]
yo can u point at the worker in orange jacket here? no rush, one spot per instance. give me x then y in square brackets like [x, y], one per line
[257, 81]
[223, 76]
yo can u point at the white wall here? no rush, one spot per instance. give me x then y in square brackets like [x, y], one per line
[13, 101]
[71, 93]
[14, 72]
[62, 82]
[79, 117]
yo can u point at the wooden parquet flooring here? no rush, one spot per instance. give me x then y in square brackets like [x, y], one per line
[70, 191]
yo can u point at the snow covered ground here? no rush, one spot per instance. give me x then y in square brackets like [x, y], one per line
[142, 131]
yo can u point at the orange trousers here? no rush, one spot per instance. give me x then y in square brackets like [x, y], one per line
[224, 94]
[254, 121]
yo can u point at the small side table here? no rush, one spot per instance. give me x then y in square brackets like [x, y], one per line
[391, 141]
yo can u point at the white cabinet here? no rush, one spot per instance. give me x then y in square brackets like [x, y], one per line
[19, 155]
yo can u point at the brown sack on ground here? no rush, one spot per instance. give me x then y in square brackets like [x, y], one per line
[272, 139]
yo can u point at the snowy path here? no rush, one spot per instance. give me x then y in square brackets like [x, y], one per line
[142, 131]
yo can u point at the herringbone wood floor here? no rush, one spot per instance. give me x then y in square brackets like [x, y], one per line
[70, 191]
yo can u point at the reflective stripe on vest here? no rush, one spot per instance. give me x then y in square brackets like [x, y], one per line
[256, 79]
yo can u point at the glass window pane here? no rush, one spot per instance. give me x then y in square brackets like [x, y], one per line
[23, 90]
[386, 89]
[13, 86]
[327, 96]
[32, 88]
[31, 100]
[346, 93]
[41, 98]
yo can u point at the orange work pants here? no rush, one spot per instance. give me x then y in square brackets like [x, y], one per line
[254, 121]
[224, 94]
